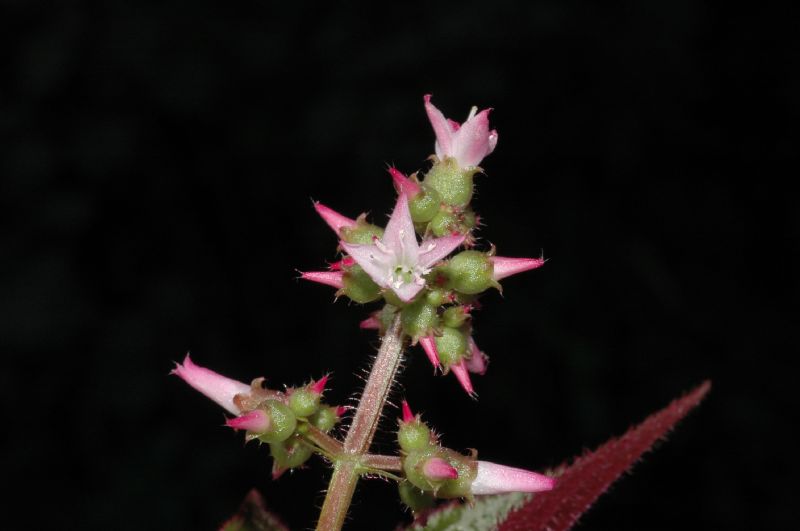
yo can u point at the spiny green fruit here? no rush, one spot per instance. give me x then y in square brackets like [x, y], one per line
[304, 402]
[424, 205]
[362, 233]
[419, 318]
[455, 316]
[413, 436]
[290, 453]
[325, 418]
[417, 500]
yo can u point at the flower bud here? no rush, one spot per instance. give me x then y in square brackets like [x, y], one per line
[256, 422]
[325, 418]
[334, 279]
[358, 285]
[443, 223]
[453, 183]
[291, 453]
[362, 233]
[470, 272]
[452, 346]
[425, 205]
[335, 221]
[304, 402]
[282, 422]
[443, 471]
[419, 318]
[504, 266]
[413, 434]
[455, 316]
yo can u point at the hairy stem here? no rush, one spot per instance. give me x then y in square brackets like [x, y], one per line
[350, 463]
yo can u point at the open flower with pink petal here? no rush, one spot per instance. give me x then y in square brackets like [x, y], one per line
[497, 479]
[397, 261]
[469, 142]
[218, 388]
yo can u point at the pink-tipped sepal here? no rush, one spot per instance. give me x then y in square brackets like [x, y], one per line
[335, 279]
[334, 220]
[428, 344]
[318, 387]
[505, 267]
[218, 388]
[403, 184]
[461, 373]
[256, 421]
[408, 415]
[437, 469]
[492, 478]
[371, 323]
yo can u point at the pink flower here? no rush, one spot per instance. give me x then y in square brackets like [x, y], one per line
[256, 421]
[469, 142]
[218, 388]
[477, 362]
[397, 261]
[496, 479]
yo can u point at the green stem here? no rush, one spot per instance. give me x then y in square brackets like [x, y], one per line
[351, 462]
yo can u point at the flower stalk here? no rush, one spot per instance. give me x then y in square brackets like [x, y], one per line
[349, 465]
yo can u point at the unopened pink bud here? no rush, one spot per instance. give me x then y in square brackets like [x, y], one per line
[341, 410]
[256, 421]
[403, 184]
[345, 262]
[429, 346]
[218, 388]
[370, 323]
[462, 375]
[496, 479]
[319, 386]
[477, 362]
[329, 278]
[468, 142]
[505, 267]
[334, 220]
[437, 469]
[408, 415]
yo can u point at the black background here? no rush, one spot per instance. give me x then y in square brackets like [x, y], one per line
[158, 161]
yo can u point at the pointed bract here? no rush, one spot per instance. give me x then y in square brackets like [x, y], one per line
[256, 421]
[403, 184]
[319, 386]
[329, 278]
[334, 220]
[408, 415]
[505, 267]
[397, 261]
[496, 479]
[468, 143]
[437, 469]
[218, 388]
[428, 344]
[462, 375]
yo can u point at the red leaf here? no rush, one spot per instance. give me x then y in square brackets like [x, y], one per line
[590, 475]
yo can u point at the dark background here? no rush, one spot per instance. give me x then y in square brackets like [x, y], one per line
[158, 161]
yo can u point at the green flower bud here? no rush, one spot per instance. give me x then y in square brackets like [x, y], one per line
[359, 286]
[444, 223]
[424, 205]
[324, 419]
[453, 183]
[304, 402]
[413, 436]
[282, 422]
[291, 453]
[419, 318]
[470, 272]
[437, 297]
[416, 499]
[452, 346]
[455, 316]
[362, 233]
